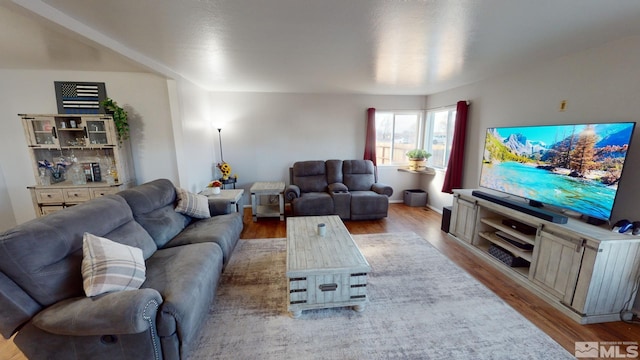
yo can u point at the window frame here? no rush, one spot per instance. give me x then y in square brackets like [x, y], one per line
[419, 132]
[424, 136]
[430, 133]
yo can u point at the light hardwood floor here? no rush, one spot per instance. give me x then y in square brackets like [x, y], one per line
[426, 223]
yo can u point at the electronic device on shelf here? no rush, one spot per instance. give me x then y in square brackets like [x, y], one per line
[514, 241]
[522, 207]
[574, 167]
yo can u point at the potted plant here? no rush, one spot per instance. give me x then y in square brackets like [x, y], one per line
[417, 159]
[119, 118]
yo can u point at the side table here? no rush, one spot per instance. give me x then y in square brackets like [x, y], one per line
[233, 196]
[229, 181]
[267, 188]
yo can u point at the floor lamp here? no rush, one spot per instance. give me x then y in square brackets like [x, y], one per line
[220, 142]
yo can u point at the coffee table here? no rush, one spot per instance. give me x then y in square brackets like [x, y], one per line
[324, 271]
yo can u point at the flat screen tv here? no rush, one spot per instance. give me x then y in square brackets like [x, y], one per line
[575, 167]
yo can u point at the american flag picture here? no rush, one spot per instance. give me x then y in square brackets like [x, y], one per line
[79, 97]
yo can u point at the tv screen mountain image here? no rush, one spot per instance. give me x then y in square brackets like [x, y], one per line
[575, 167]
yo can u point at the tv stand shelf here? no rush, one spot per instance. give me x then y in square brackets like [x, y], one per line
[588, 272]
[493, 238]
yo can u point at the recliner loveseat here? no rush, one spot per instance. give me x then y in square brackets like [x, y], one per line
[348, 188]
[41, 284]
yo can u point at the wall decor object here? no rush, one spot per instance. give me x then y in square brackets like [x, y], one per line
[80, 97]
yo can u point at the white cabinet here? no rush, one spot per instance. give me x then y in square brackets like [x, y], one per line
[585, 271]
[557, 264]
[93, 141]
[463, 218]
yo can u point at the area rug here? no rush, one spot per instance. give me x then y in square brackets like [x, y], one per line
[421, 306]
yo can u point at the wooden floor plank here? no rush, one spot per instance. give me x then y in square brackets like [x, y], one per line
[426, 223]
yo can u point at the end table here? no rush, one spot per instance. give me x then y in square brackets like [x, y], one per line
[261, 188]
[233, 196]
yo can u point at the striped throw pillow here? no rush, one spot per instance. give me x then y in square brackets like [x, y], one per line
[110, 266]
[190, 204]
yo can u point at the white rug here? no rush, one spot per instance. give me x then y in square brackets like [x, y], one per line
[422, 306]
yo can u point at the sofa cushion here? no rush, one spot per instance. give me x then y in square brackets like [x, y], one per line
[334, 171]
[310, 176]
[315, 203]
[223, 230]
[358, 174]
[109, 266]
[152, 205]
[368, 205]
[190, 204]
[43, 256]
[187, 278]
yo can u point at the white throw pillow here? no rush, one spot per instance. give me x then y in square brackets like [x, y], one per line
[110, 266]
[190, 204]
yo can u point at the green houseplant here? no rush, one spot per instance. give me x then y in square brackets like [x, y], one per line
[119, 118]
[417, 159]
[421, 154]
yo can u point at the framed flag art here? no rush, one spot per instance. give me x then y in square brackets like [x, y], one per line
[79, 97]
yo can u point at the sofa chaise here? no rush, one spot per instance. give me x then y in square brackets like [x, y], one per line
[43, 290]
[348, 188]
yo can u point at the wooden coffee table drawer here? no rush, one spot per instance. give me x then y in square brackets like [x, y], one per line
[74, 195]
[49, 196]
[328, 289]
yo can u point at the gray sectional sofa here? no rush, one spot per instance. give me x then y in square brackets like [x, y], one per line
[348, 188]
[41, 285]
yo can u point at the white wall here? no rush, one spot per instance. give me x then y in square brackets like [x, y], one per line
[192, 131]
[174, 136]
[7, 219]
[144, 96]
[263, 134]
[600, 85]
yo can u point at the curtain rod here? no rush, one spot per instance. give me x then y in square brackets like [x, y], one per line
[428, 109]
[450, 105]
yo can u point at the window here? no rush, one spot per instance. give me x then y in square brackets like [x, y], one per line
[439, 136]
[400, 131]
[396, 133]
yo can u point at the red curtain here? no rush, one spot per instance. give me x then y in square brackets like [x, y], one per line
[370, 141]
[453, 176]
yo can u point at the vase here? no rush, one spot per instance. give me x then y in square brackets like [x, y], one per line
[57, 176]
[45, 178]
[215, 190]
[417, 164]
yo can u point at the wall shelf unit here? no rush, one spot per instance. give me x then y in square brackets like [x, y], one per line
[427, 171]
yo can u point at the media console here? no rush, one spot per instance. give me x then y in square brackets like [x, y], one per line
[585, 271]
[527, 209]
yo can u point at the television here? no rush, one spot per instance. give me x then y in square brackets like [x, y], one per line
[572, 167]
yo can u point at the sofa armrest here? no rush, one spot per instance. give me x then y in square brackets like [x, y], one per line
[382, 189]
[338, 188]
[219, 207]
[16, 306]
[122, 312]
[292, 192]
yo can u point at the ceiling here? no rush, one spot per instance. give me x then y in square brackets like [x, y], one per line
[404, 47]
